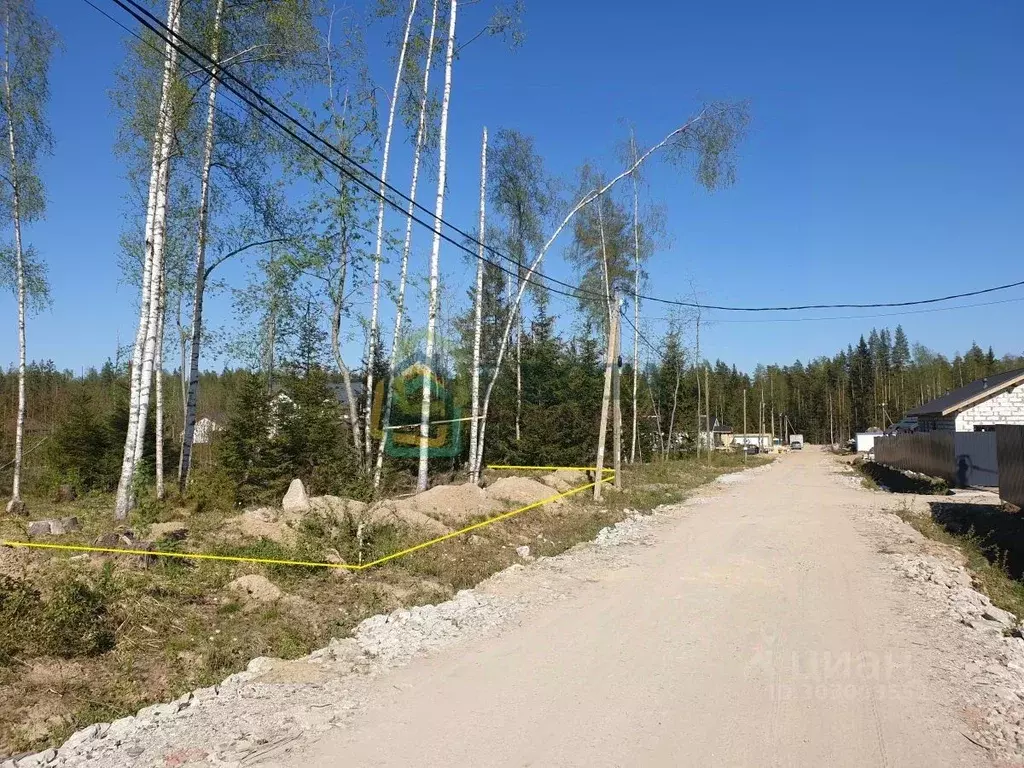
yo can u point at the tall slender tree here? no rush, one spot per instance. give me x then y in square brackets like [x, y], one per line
[420, 141]
[378, 254]
[442, 169]
[28, 42]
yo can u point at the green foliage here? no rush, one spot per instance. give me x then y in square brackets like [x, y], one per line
[20, 606]
[250, 450]
[74, 621]
[82, 451]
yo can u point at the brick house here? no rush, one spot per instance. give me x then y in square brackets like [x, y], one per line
[980, 406]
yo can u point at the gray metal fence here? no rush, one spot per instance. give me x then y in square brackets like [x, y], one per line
[976, 463]
[1011, 464]
[930, 453]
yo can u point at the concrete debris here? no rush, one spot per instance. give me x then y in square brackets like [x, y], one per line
[997, 654]
[296, 500]
[54, 527]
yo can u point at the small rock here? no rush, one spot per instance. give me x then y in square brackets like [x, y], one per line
[257, 588]
[64, 525]
[524, 552]
[998, 615]
[135, 750]
[17, 508]
[296, 499]
[39, 528]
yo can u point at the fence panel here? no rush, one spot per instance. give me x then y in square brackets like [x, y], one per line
[930, 453]
[1011, 464]
[976, 463]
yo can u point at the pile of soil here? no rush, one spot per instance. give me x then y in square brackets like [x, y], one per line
[520, 490]
[565, 479]
[263, 523]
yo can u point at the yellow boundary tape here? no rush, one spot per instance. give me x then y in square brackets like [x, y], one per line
[345, 566]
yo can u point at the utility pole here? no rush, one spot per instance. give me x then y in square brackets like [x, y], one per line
[616, 401]
[696, 368]
[707, 413]
[744, 425]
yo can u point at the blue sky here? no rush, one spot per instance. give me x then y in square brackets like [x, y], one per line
[884, 161]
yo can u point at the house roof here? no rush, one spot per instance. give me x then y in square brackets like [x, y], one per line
[976, 391]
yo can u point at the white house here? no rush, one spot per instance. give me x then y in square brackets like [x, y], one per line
[980, 406]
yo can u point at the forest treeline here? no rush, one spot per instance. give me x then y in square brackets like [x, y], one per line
[77, 427]
[299, 185]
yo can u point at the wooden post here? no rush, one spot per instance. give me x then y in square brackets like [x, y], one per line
[707, 414]
[744, 426]
[602, 434]
[616, 401]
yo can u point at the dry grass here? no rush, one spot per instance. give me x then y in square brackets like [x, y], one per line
[176, 628]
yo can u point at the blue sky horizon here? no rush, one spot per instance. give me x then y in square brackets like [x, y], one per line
[882, 163]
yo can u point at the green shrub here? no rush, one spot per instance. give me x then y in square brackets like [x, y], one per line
[76, 621]
[20, 608]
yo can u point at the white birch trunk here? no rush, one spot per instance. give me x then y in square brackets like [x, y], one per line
[474, 427]
[435, 251]
[158, 367]
[602, 431]
[192, 397]
[421, 130]
[535, 264]
[142, 356]
[378, 254]
[16, 506]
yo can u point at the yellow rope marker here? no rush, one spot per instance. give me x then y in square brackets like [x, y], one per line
[344, 566]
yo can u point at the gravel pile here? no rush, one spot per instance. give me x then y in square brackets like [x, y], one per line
[995, 651]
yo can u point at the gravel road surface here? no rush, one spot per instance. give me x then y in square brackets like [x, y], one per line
[760, 625]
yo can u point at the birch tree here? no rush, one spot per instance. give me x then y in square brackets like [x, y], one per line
[28, 42]
[262, 41]
[420, 141]
[378, 254]
[478, 304]
[421, 481]
[705, 142]
[156, 214]
[525, 198]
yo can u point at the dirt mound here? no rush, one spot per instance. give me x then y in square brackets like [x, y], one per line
[453, 504]
[404, 514]
[336, 505]
[256, 588]
[520, 490]
[263, 523]
[565, 479]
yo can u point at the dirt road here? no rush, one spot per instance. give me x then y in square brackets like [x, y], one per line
[762, 627]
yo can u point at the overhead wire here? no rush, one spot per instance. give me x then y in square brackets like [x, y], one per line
[155, 25]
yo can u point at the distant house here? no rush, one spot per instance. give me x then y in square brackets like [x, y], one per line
[339, 391]
[205, 429]
[721, 435]
[980, 406]
[865, 441]
[763, 440]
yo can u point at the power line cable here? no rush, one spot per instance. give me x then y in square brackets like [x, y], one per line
[151, 22]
